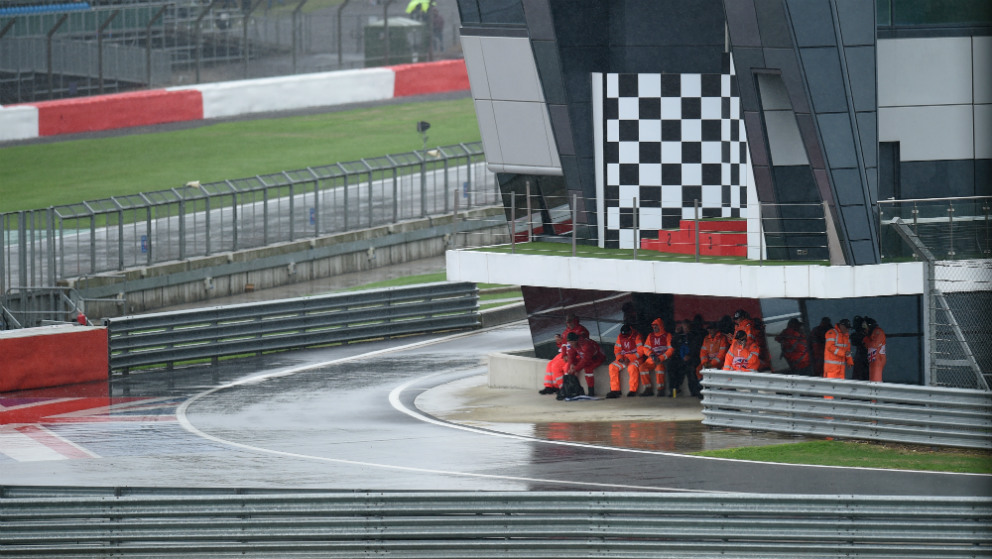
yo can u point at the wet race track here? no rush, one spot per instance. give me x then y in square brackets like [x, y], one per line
[348, 418]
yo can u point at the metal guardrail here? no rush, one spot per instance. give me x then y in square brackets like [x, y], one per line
[926, 415]
[252, 328]
[127, 522]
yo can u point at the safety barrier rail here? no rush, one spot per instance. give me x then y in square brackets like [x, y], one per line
[927, 415]
[129, 522]
[252, 328]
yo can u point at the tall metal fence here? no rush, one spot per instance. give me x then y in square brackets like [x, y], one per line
[54, 50]
[42, 247]
[954, 237]
[211, 523]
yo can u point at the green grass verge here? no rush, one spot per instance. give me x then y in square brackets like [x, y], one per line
[865, 455]
[41, 175]
[589, 251]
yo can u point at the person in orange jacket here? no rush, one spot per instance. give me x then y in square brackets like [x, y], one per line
[656, 349]
[555, 371]
[743, 354]
[837, 350]
[794, 348]
[584, 355]
[627, 355]
[714, 349]
[875, 345]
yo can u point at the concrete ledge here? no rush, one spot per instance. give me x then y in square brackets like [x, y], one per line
[503, 315]
[524, 372]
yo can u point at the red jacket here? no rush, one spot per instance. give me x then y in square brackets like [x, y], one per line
[794, 348]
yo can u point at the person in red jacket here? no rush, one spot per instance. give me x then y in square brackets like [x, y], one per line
[837, 350]
[571, 325]
[584, 355]
[714, 349]
[875, 345]
[656, 349]
[743, 354]
[794, 348]
[627, 355]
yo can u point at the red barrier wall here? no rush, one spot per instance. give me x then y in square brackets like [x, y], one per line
[122, 110]
[52, 356]
[430, 77]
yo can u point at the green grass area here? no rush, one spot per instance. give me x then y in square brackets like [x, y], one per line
[589, 251]
[864, 455]
[41, 175]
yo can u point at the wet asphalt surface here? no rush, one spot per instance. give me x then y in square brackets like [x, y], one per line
[345, 418]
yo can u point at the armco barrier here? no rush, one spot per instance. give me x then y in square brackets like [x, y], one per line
[228, 99]
[212, 523]
[926, 415]
[252, 328]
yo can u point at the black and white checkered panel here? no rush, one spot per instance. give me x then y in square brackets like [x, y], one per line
[671, 139]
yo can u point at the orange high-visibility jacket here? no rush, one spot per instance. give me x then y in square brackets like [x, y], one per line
[836, 353]
[713, 351]
[627, 347]
[794, 348]
[742, 357]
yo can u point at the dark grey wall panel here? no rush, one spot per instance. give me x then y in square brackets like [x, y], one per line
[868, 131]
[745, 60]
[855, 27]
[861, 71]
[580, 22]
[863, 253]
[562, 127]
[838, 139]
[855, 223]
[775, 32]
[847, 185]
[540, 26]
[807, 128]
[743, 23]
[920, 179]
[546, 59]
[813, 22]
[794, 185]
[826, 82]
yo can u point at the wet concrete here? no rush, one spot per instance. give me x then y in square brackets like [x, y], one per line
[350, 417]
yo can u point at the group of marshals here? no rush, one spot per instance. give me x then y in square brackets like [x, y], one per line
[651, 361]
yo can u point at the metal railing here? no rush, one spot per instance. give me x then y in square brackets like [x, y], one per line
[75, 49]
[212, 523]
[253, 328]
[953, 236]
[924, 415]
[42, 247]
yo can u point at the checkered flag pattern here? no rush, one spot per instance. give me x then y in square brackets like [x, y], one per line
[671, 139]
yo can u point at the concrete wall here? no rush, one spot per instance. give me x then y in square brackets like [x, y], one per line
[226, 99]
[233, 273]
[52, 356]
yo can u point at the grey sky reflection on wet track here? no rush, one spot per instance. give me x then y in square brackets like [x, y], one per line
[323, 419]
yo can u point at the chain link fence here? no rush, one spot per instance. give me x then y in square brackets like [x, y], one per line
[55, 51]
[952, 235]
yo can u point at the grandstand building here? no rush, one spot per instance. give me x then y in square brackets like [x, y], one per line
[799, 128]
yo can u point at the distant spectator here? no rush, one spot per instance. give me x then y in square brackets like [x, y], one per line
[743, 354]
[816, 342]
[794, 348]
[875, 346]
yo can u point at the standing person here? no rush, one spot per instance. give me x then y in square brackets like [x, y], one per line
[794, 348]
[837, 350]
[657, 349]
[816, 343]
[626, 355]
[742, 355]
[858, 351]
[714, 349]
[875, 349]
[742, 321]
[584, 355]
